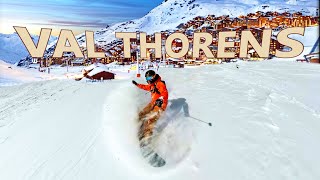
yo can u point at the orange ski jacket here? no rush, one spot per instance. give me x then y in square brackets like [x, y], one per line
[158, 89]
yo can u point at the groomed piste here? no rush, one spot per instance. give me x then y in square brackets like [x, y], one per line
[265, 125]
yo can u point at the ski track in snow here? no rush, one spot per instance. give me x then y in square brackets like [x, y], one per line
[265, 118]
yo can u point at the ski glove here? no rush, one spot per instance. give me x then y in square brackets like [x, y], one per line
[159, 102]
[134, 82]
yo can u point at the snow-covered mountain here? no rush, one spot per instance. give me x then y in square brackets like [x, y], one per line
[12, 48]
[170, 13]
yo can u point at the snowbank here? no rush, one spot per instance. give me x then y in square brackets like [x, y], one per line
[12, 75]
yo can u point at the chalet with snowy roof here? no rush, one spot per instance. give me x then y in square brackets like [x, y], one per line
[210, 17]
[237, 21]
[199, 18]
[286, 14]
[112, 52]
[34, 60]
[78, 62]
[252, 22]
[259, 13]
[251, 15]
[108, 54]
[117, 48]
[97, 72]
[297, 14]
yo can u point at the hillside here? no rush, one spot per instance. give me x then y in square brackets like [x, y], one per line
[12, 48]
[171, 13]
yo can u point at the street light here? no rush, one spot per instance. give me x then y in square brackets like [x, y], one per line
[138, 70]
[138, 52]
[163, 51]
[67, 64]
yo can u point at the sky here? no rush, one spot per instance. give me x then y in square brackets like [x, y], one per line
[77, 15]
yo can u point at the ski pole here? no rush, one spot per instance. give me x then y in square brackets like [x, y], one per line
[201, 120]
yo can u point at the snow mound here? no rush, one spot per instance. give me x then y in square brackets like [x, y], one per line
[12, 75]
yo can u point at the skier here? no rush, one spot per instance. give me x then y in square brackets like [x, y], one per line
[158, 104]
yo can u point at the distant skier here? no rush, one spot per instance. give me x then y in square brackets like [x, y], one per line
[158, 104]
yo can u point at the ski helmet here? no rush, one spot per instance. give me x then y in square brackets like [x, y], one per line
[150, 73]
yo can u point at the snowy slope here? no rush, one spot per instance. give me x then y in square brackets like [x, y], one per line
[12, 48]
[265, 116]
[15, 75]
[171, 13]
[12, 75]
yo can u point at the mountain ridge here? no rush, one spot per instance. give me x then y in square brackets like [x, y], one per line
[170, 13]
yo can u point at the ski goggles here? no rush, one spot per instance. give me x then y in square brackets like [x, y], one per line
[149, 78]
